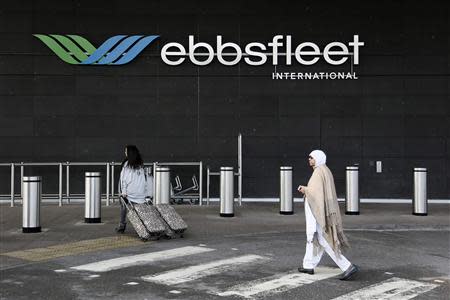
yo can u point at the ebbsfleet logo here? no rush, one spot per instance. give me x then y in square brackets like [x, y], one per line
[280, 51]
[76, 50]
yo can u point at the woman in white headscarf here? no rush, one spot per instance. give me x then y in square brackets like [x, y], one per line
[323, 219]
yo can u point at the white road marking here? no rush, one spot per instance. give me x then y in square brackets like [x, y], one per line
[175, 292]
[279, 283]
[393, 288]
[60, 271]
[131, 283]
[140, 259]
[94, 276]
[202, 270]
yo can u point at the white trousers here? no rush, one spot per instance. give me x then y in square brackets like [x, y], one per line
[311, 260]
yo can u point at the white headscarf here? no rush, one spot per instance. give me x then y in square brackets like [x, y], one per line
[319, 156]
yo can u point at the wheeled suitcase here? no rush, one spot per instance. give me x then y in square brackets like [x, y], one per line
[172, 218]
[136, 222]
[151, 219]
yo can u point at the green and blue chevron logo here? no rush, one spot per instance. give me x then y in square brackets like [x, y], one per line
[116, 50]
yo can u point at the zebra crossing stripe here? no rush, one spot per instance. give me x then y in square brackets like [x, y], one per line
[140, 259]
[202, 270]
[393, 288]
[279, 283]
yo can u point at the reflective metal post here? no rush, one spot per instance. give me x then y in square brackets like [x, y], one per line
[286, 199]
[107, 183]
[22, 171]
[31, 211]
[240, 168]
[60, 184]
[12, 185]
[162, 180]
[112, 182]
[420, 201]
[226, 192]
[92, 196]
[68, 182]
[200, 186]
[207, 185]
[352, 191]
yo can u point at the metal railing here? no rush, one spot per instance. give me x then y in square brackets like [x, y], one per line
[110, 178]
[209, 173]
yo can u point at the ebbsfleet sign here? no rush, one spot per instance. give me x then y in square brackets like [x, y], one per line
[122, 49]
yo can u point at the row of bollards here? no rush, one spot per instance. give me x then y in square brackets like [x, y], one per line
[32, 193]
[420, 200]
[352, 200]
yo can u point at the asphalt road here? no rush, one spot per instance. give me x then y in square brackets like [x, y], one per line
[252, 262]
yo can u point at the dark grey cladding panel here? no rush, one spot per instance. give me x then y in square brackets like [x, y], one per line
[267, 167]
[397, 111]
[383, 105]
[16, 43]
[16, 85]
[218, 126]
[50, 64]
[50, 149]
[16, 148]
[390, 166]
[431, 105]
[341, 126]
[261, 147]
[54, 126]
[16, 126]
[16, 106]
[424, 147]
[219, 86]
[383, 126]
[341, 105]
[393, 186]
[429, 86]
[299, 105]
[16, 64]
[299, 126]
[430, 126]
[177, 86]
[262, 187]
[383, 146]
[60, 23]
[292, 147]
[339, 146]
[426, 64]
[54, 85]
[218, 147]
[224, 105]
[173, 126]
[259, 126]
[382, 85]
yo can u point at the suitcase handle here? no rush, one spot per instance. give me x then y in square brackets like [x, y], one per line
[129, 206]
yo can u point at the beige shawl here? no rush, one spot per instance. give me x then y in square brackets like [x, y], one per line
[321, 196]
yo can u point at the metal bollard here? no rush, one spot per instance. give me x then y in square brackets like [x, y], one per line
[286, 199]
[162, 185]
[31, 213]
[420, 201]
[226, 192]
[352, 191]
[92, 197]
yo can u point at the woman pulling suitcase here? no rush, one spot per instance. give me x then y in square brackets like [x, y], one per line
[134, 184]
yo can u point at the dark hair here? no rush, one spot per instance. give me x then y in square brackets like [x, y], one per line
[133, 157]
